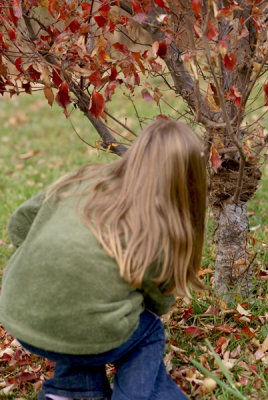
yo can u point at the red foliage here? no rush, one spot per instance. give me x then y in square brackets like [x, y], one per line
[194, 331]
[17, 8]
[97, 104]
[196, 7]
[63, 97]
[265, 88]
[95, 78]
[11, 34]
[212, 32]
[161, 3]
[230, 61]
[34, 74]
[56, 78]
[18, 64]
[235, 96]
[159, 49]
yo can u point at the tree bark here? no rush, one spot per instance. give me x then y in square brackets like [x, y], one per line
[233, 275]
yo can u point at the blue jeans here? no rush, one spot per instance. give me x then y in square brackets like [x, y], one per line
[141, 374]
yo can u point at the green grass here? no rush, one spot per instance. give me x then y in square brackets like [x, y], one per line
[38, 145]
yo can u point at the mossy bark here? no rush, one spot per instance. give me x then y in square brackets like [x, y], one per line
[233, 274]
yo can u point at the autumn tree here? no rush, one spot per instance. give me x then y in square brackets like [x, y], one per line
[210, 53]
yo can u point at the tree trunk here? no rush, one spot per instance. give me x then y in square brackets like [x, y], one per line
[233, 273]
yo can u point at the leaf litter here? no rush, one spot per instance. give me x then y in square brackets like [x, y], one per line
[209, 347]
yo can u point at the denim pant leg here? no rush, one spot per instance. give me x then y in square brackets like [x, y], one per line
[141, 373]
[74, 376]
[82, 381]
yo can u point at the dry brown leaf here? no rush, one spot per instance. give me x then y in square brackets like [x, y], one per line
[264, 346]
[209, 385]
[48, 92]
[242, 311]
[30, 154]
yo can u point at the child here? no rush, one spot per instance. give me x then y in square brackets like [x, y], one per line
[99, 255]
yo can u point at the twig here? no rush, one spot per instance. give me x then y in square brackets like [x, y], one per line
[120, 123]
[83, 140]
[255, 78]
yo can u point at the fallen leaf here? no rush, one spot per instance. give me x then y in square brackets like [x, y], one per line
[30, 154]
[242, 311]
[264, 346]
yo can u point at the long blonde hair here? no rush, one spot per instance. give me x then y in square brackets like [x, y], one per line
[149, 206]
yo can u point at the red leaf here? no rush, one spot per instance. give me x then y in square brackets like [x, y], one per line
[120, 47]
[258, 384]
[220, 342]
[230, 61]
[95, 78]
[104, 10]
[145, 54]
[5, 357]
[34, 75]
[18, 64]
[63, 97]
[97, 104]
[161, 116]
[136, 78]
[215, 159]
[226, 12]
[56, 78]
[223, 328]
[155, 66]
[265, 88]
[109, 90]
[100, 21]
[27, 87]
[235, 96]
[196, 7]
[113, 75]
[111, 26]
[247, 332]
[212, 32]
[51, 7]
[74, 26]
[160, 3]
[86, 7]
[25, 377]
[193, 331]
[13, 17]
[146, 95]
[188, 313]
[136, 6]
[159, 49]
[17, 8]
[124, 20]
[11, 34]
[253, 368]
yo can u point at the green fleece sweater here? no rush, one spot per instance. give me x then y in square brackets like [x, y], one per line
[61, 291]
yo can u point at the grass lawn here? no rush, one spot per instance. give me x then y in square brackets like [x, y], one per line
[37, 145]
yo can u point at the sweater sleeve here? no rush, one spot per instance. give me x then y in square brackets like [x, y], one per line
[154, 298]
[22, 219]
